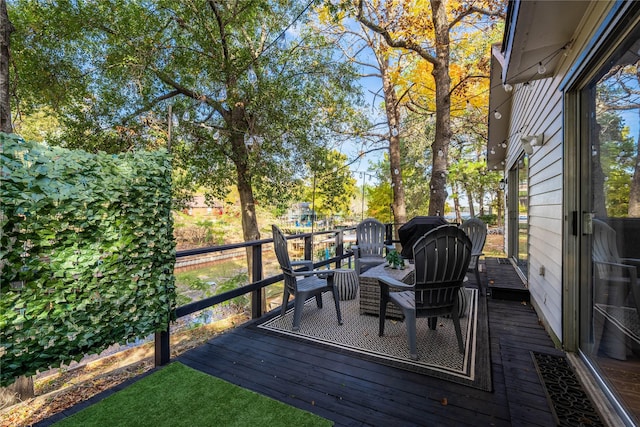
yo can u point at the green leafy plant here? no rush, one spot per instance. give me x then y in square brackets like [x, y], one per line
[87, 252]
[241, 302]
[394, 259]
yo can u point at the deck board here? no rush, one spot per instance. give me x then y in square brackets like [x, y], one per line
[351, 391]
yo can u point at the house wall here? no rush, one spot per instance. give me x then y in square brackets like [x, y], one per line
[539, 110]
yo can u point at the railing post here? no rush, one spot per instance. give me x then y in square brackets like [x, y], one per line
[308, 247]
[162, 354]
[388, 231]
[339, 247]
[256, 275]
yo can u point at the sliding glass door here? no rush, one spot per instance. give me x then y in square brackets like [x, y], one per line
[610, 211]
[519, 214]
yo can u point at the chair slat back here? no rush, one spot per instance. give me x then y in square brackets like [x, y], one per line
[476, 230]
[441, 259]
[370, 234]
[605, 247]
[282, 253]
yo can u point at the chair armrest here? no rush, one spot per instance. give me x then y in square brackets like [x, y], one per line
[631, 271]
[617, 264]
[390, 281]
[314, 273]
[634, 262]
[307, 264]
[356, 250]
[385, 282]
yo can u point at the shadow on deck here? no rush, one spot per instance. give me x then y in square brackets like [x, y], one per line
[351, 391]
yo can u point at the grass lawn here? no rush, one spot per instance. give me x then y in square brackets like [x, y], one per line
[180, 396]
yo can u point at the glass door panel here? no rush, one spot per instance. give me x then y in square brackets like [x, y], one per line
[611, 225]
[519, 214]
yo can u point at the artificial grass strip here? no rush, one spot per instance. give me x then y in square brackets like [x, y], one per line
[177, 395]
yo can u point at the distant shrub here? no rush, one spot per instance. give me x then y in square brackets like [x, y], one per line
[489, 219]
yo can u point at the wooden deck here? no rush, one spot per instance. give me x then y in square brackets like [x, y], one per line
[351, 391]
[503, 281]
[355, 392]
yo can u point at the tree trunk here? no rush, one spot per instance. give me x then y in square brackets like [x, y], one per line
[442, 80]
[6, 28]
[456, 202]
[240, 157]
[393, 119]
[472, 210]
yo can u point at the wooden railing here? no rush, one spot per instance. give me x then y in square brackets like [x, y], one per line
[162, 346]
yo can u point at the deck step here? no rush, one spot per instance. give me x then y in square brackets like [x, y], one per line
[504, 282]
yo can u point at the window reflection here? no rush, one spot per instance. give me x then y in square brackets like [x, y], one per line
[615, 202]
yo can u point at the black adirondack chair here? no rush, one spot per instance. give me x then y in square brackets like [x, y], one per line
[370, 248]
[476, 230]
[442, 258]
[302, 284]
[613, 271]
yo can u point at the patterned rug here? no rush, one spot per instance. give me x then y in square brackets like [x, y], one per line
[438, 353]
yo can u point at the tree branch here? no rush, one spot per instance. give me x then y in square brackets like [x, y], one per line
[147, 106]
[472, 10]
[461, 82]
[403, 44]
[190, 93]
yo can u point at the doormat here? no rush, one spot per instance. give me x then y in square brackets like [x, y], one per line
[569, 403]
[437, 350]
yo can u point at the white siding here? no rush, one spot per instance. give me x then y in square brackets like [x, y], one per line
[535, 111]
[545, 203]
[538, 110]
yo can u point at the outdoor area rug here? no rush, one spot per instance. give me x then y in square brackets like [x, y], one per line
[438, 353]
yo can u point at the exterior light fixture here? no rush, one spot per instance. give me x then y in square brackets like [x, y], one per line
[530, 141]
[507, 87]
[541, 68]
[497, 115]
[502, 184]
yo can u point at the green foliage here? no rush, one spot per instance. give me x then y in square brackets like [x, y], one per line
[618, 160]
[394, 259]
[235, 282]
[249, 109]
[379, 199]
[489, 219]
[332, 182]
[87, 252]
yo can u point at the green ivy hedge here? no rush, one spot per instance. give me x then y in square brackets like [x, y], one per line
[87, 253]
